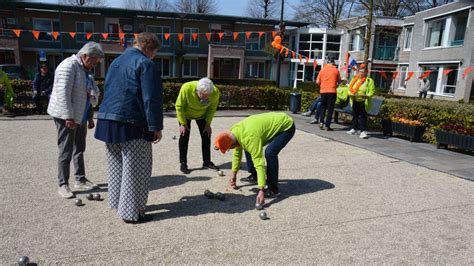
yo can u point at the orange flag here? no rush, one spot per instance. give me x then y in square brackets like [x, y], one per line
[35, 33]
[72, 34]
[301, 58]
[105, 35]
[410, 74]
[17, 33]
[466, 71]
[274, 33]
[88, 35]
[394, 75]
[447, 71]
[247, 34]
[135, 35]
[121, 35]
[236, 35]
[180, 37]
[167, 36]
[383, 74]
[293, 54]
[260, 34]
[307, 60]
[195, 35]
[208, 36]
[221, 34]
[287, 51]
[55, 34]
[315, 64]
[282, 49]
[426, 74]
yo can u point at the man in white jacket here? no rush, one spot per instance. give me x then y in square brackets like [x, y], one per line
[74, 91]
[424, 87]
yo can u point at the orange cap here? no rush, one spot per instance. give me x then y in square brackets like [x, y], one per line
[223, 141]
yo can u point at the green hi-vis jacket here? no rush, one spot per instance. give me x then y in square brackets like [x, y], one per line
[8, 90]
[342, 94]
[255, 132]
[366, 89]
[188, 106]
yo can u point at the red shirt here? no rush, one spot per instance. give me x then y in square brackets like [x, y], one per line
[328, 78]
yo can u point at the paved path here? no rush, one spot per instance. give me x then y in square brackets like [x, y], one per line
[341, 204]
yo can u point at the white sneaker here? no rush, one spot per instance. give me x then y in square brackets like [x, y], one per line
[352, 132]
[65, 192]
[309, 113]
[85, 184]
[363, 135]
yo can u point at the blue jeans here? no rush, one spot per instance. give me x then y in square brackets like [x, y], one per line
[271, 155]
[316, 108]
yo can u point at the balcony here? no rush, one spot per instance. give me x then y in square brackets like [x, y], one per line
[385, 52]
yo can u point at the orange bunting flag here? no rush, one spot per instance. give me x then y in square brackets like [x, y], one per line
[293, 54]
[410, 74]
[208, 36]
[121, 35]
[301, 58]
[35, 33]
[180, 37]
[282, 49]
[447, 71]
[17, 33]
[55, 34]
[72, 34]
[221, 34]
[247, 34]
[307, 60]
[105, 35]
[466, 71]
[260, 34]
[315, 64]
[287, 51]
[236, 35]
[195, 35]
[167, 36]
[426, 74]
[88, 35]
[383, 74]
[394, 75]
[135, 35]
[274, 33]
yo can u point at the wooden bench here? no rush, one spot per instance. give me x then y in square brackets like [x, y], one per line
[374, 109]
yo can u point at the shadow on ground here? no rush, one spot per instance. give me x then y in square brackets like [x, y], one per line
[164, 181]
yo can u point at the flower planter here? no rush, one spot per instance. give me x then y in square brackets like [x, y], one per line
[444, 138]
[413, 132]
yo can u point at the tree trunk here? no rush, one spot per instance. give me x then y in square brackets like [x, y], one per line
[368, 33]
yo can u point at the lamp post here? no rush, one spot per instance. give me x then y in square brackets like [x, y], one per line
[282, 29]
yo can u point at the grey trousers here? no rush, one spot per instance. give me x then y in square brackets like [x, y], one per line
[71, 145]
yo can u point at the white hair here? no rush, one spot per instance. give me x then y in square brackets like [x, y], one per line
[92, 49]
[205, 86]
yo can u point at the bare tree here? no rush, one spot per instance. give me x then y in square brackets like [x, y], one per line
[155, 5]
[414, 6]
[321, 12]
[263, 8]
[196, 6]
[100, 3]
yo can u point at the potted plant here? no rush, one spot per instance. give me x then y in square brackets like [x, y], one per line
[413, 129]
[456, 135]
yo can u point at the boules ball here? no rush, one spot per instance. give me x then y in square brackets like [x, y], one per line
[90, 196]
[220, 196]
[174, 137]
[78, 202]
[23, 260]
[208, 194]
[263, 215]
[96, 196]
[221, 173]
[259, 206]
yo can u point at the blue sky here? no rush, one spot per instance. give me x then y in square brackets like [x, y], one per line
[226, 7]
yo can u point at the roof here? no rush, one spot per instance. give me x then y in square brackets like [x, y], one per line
[123, 12]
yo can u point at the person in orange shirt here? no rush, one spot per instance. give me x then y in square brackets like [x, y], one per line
[327, 80]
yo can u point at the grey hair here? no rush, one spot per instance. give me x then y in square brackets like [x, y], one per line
[205, 85]
[92, 49]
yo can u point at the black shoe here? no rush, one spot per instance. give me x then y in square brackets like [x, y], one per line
[313, 121]
[272, 193]
[329, 129]
[184, 169]
[141, 219]
[210, 165]
[249, 179]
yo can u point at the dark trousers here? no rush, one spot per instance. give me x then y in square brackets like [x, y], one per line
[359, 116]
[271, 156]
[423, 94]
[205, 143]
[71, 145]
[328, 100]
[41, 103]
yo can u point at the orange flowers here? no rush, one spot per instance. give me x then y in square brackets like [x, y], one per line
[406, 121]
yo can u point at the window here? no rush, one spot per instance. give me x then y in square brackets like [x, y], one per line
[443, 78]
[46, 26]
[435, 32]
[188, 38]
[254, 42]
[403, 76]
[255, 70]
[458, 29]
[82, 28]
[408, 38]
[113, 30]
[190, 68]
[163, 66]
[160, 32]
[357, 40]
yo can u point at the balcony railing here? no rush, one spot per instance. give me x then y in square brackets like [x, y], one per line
[385, 52]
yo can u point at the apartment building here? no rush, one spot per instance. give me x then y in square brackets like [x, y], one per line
[209, 44]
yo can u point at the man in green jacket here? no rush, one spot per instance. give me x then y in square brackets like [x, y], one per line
[197, 100]
[250, 136]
